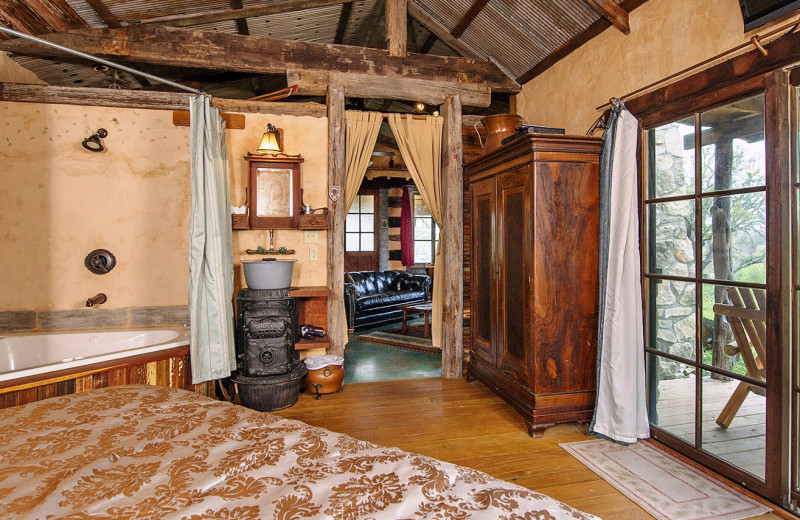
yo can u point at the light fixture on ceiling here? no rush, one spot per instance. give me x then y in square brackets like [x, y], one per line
[100, 67]
[435, 113]
[420, 106]
[270, 141]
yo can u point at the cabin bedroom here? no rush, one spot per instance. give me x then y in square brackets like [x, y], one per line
[391, 259]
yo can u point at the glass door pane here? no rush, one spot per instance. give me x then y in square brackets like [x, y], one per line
[706, 274]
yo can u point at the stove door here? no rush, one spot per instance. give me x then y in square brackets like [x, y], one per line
[266, 357]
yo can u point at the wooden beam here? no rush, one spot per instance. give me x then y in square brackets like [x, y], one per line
[105, 97]
[241, 23]
[336, 171]
[612, 12]
[474, 10]
[452, 240]
[396, 27]
[568, 48]
[366, 86]
[104, 14]
[40, 16]
[251, 11]
[344, 21]
[440, 31]
[160, 45]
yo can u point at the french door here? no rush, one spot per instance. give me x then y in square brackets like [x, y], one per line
[717, 225]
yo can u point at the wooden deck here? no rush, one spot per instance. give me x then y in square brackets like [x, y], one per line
[741, 444]
[464, 423]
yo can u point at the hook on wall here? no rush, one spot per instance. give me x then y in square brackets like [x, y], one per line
[93, 142]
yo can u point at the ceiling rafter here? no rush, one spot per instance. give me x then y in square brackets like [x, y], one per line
[565, 50]
[251, 11]
[104, 14]
[474, 10]
[344, 21]
[241, 23]
[612, 12]
[40, 16]
[440, 31]
[161, 45]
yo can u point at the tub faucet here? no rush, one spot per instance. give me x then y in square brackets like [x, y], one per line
[98, 299]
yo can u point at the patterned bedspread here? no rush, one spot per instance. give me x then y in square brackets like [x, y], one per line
[137, 452]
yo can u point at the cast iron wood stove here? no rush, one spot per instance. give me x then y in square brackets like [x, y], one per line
[269, 373]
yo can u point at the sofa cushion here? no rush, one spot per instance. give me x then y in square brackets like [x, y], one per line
[389, 298]
[372, 282]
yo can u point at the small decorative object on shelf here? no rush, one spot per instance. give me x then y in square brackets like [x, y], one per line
[261, 251]
[311, 331]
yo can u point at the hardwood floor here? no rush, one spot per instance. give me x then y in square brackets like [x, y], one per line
[464, 423]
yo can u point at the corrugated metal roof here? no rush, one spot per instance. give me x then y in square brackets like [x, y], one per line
[86, 12]
[135, 10]
[68, 74]
[312, 25]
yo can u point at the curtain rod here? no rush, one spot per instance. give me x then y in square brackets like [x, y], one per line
[386, 116]
[110, 63]
[755, 40]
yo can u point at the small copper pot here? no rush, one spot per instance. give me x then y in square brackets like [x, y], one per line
[325, 380]
[498, 127]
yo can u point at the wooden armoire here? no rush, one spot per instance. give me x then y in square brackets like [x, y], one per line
[533, 226]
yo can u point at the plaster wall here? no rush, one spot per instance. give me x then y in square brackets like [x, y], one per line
[666, 36]
[59, 201]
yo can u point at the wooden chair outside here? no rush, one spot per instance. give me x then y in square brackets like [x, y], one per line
[747, 317]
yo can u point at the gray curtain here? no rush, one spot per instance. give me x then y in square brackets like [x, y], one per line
[213, 354]
[620, 411]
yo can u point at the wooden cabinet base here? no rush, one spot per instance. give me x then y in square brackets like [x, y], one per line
[538, 411]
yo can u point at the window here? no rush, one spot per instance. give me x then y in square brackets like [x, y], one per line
[426, 233]
[359, 227]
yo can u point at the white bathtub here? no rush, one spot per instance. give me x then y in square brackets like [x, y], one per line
[30, 354]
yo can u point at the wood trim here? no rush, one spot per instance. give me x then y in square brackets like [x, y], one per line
[310, 291]
[613, 13]
[452, 240]
[568, 48]
[337, 212]
[143, 99]
[779, 297]
[253, 164]
[75, 372]
[169, 46]
[275, 7]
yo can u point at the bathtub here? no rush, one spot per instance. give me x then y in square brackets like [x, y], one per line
[27, 355]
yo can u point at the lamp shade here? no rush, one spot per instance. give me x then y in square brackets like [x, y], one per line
[269, 141]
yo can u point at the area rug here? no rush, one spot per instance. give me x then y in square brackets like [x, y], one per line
[390, 339]
[662, 485]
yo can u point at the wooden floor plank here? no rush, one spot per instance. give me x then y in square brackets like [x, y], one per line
[464, 423]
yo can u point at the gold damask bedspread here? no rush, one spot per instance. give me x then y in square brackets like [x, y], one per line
[139, 452]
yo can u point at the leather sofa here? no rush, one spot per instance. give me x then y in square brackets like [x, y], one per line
[372, 297]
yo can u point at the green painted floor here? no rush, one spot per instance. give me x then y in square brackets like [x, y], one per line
[366, 362]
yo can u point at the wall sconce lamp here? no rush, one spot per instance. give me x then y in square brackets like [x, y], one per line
[270, 141]
[93, 142]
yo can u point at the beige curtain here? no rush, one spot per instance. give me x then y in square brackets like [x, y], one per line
[361, 134]
[420, 142]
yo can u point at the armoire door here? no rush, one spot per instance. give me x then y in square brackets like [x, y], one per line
[513, 239]
[483, 285]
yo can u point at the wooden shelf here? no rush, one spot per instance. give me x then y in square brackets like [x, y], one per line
[314, 221]
[308, 344]
[311, 291]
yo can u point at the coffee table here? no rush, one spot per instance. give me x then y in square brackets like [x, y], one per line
[422, 308]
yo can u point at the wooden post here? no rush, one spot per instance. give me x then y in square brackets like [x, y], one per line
[396, 27]
[336, 164]
[452, 240]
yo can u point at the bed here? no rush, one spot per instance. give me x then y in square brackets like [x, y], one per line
[136, 452]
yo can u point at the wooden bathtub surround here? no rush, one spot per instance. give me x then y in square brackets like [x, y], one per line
[169, 368]
[533, 276]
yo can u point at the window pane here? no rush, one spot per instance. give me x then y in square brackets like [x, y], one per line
[422, 228]
[351, 223]
[734, 335]
[733, 145]
[368, 223]
[671, 395]
[671, 241]
[367, 204]
[422, 252]
[436, 229]
[367, 241]
[351, 242]
[673, 324]
[734, 237]
[672, 159]
[743, 442]
[420, 209]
